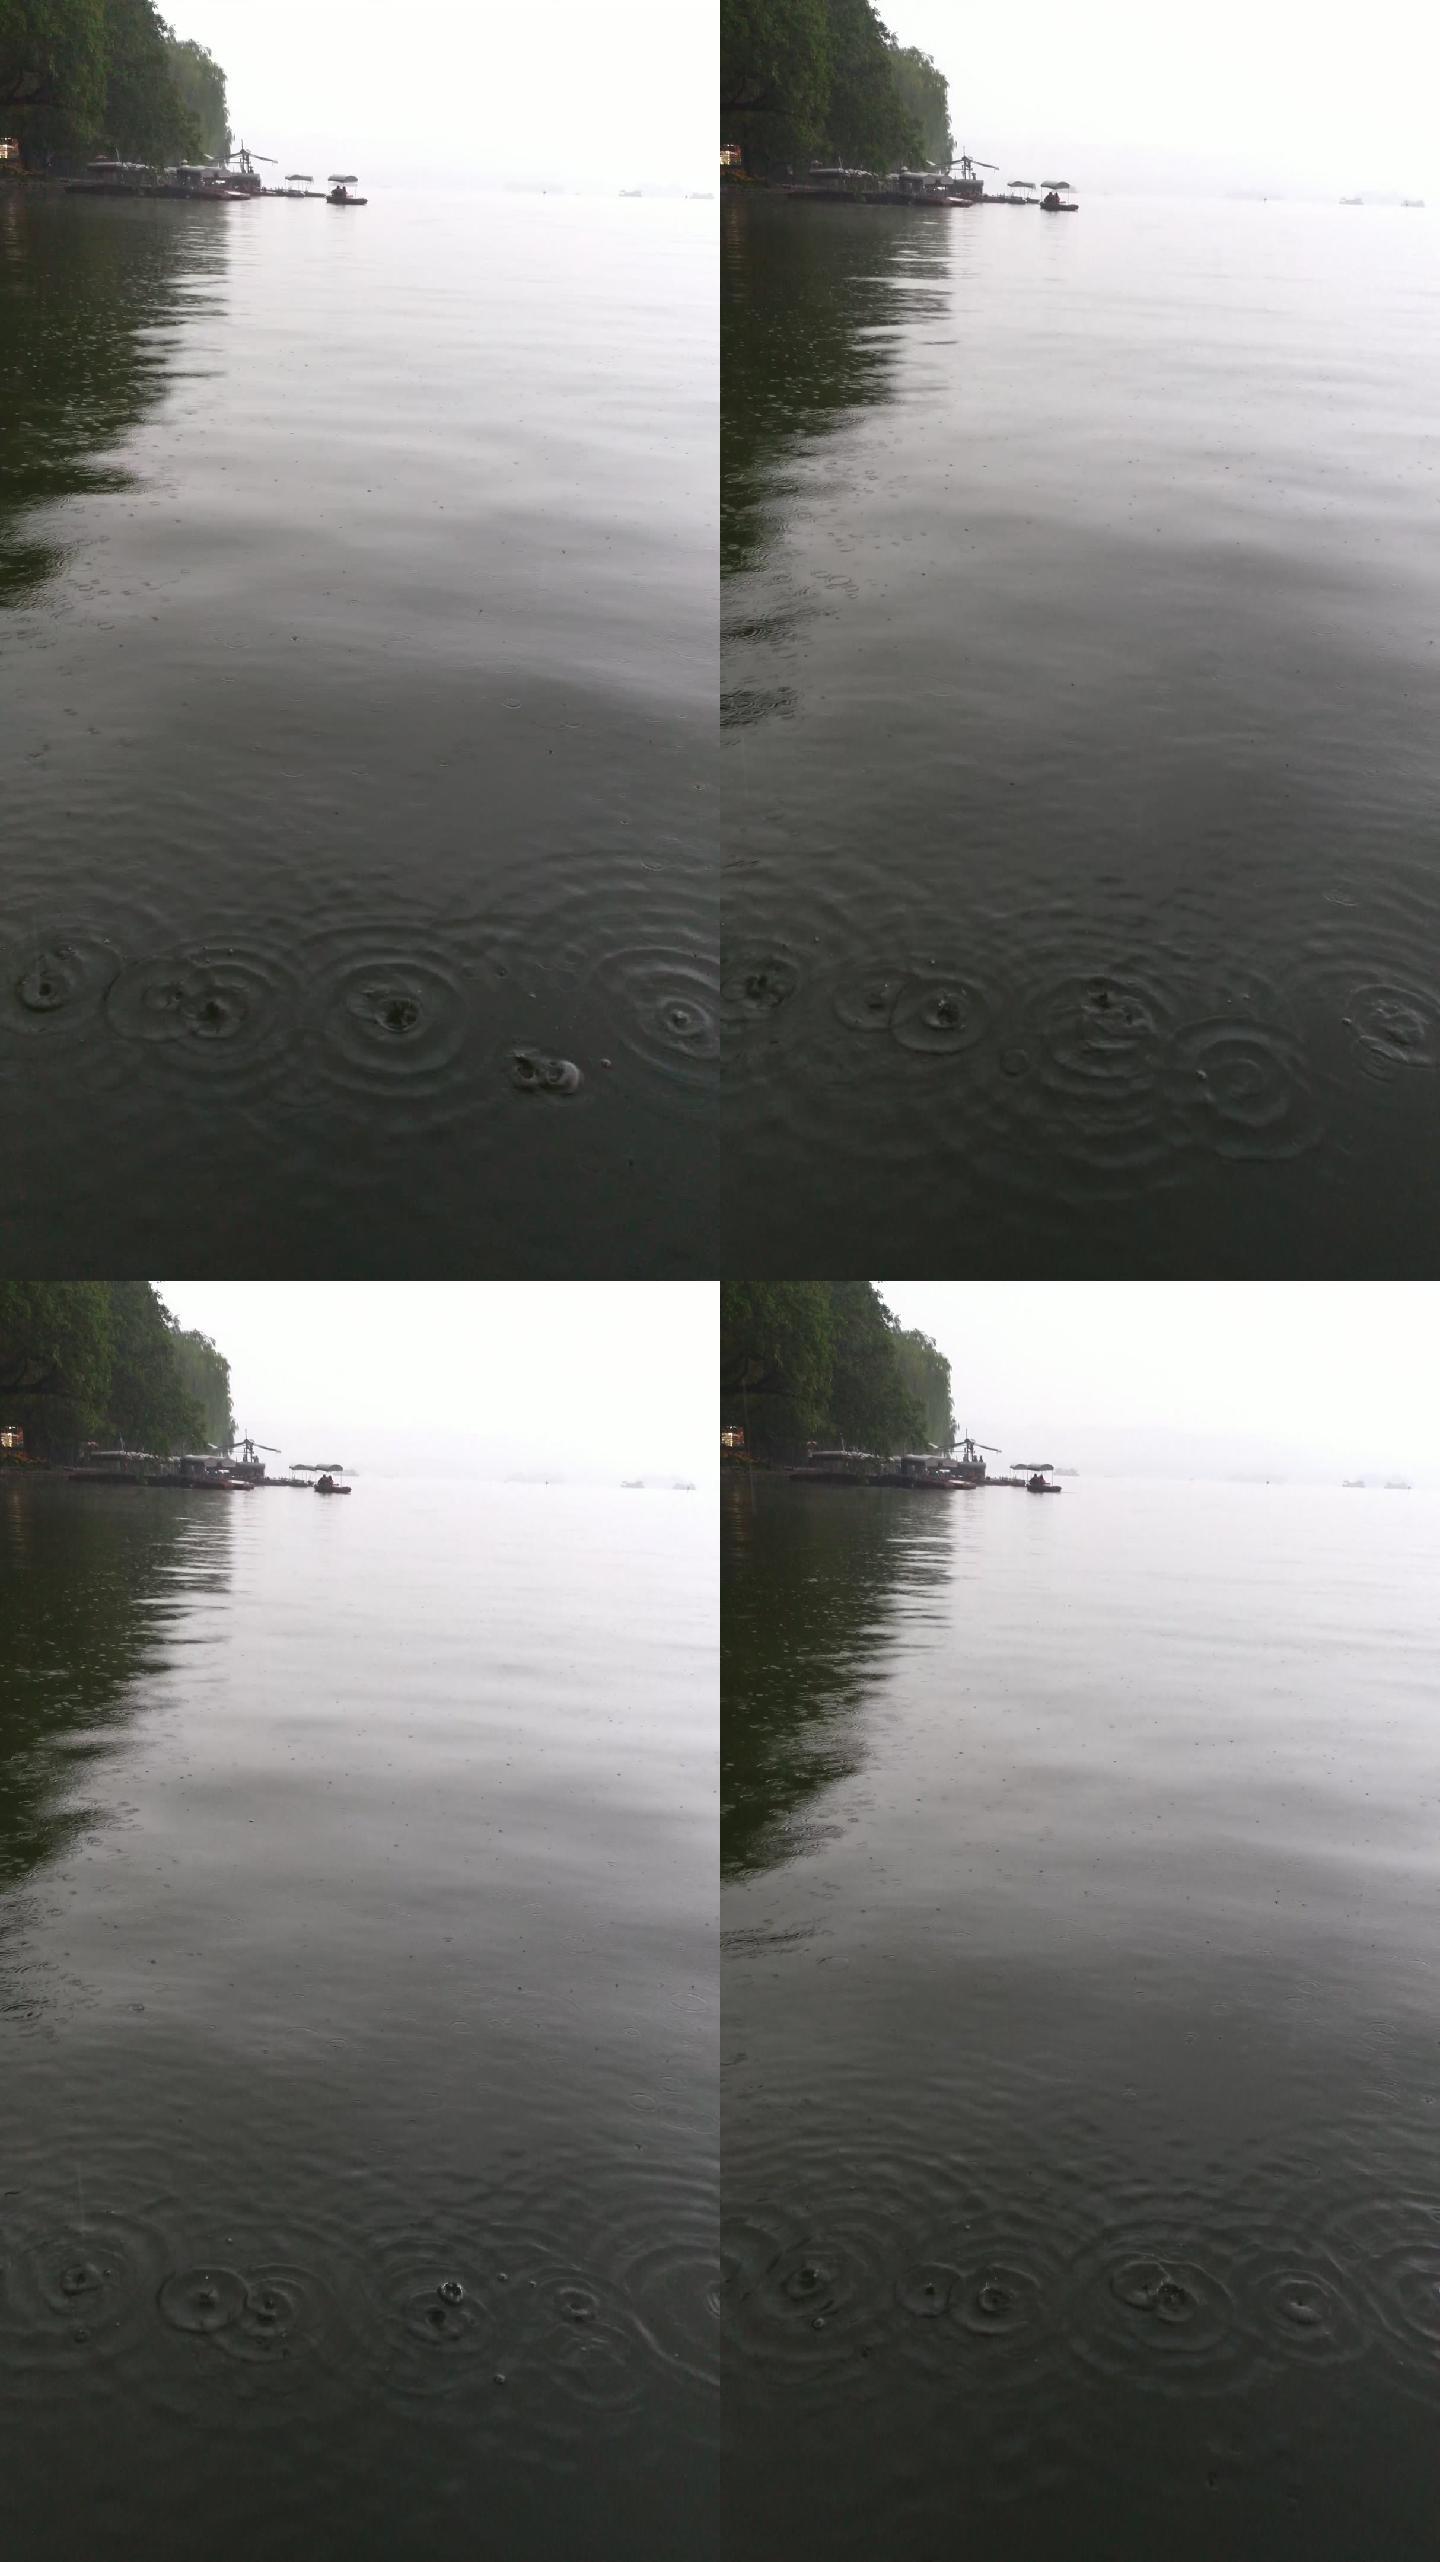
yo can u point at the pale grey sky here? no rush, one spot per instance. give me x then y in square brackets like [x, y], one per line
[1301, 1378]
[1298, 92]
[586, 1378]
[612, 96]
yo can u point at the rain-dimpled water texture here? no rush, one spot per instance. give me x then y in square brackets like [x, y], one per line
[1078, 1948]
[399, 1009]
[352, 2195]
[1064, 693]
[359, 628]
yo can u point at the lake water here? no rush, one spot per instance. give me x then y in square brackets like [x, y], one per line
[358, 2023]
[1081, 782]
[1081, 1919]
[358, 653]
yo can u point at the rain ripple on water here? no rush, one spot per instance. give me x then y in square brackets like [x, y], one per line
[1031, 1057]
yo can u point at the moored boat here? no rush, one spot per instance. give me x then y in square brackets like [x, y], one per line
[112, 1468]
[835, 1468]
[114, 178]
[835, 185]
[194, 1472]
[914, 187]
[918, 1472]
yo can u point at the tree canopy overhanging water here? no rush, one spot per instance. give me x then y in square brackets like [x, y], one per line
[80, 74]
[828, 1361]
[107, 1360]
[801, 77]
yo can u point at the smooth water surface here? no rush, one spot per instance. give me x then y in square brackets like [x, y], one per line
[1081, 792]
[1081, 1920]
[357, 644]
[357, 2023]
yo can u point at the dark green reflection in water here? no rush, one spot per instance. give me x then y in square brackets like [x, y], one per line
[810, 335]
[356, 2044]
[93, 1583]
[88, 295]
[814, 1587]
[1082, 825]
[1079, 2193]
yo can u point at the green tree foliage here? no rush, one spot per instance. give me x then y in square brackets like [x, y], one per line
[801, 79]
[826, 1361]
[777, 1342]
[100, 1360]
[56, 1351]
[147, 1401]
[775, 59]
[924, 94]
[81, 75]
[926, 1374]
[200, 85]
[144, 117]
[775, 76]
[52, 55]
[866, 121]
[205, 1376]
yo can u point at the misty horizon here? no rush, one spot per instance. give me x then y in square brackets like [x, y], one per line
[1310, 1382]
[1116, 92]
[583, 1382]
[564, 89]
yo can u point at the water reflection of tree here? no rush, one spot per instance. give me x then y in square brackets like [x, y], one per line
[88, 294]
[809, 326]
[94, 1582]
[814, 1582]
